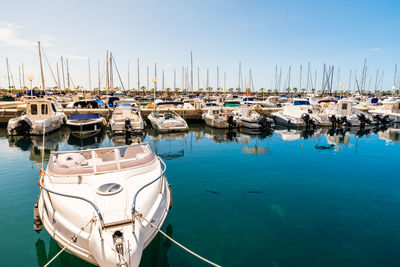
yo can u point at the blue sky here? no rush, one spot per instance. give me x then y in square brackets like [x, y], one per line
[260, 34]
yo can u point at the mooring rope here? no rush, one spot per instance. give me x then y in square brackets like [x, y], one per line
[69, 243]
[178, 244]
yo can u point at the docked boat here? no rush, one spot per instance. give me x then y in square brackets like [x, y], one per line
[295, 114]
[249, 118]
[167, 121]
[388, 112]
[340, 113]
[86, 124]
[103, 199]
[126, 118]
[41, 115]
[218, 117]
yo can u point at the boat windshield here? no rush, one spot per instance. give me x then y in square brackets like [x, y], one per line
[99, 160]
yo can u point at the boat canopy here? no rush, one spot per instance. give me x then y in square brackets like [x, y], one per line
[119, 104]
[176, 103]
[100, 160]
[86, 104]
[300, 102]
[85, 116]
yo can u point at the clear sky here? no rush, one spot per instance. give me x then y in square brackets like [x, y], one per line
[260, 34]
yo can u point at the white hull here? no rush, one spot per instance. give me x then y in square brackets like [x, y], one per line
[63, 216]
[51, 124]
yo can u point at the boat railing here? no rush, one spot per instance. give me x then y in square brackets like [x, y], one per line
[72, 196]
[163, 168]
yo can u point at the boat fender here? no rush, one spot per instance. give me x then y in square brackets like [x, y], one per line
[37, 222]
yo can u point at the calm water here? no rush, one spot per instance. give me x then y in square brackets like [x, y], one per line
[290, 198]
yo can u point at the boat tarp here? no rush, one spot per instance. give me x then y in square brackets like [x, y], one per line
[85, 116]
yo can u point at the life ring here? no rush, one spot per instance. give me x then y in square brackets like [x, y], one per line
[248, 92]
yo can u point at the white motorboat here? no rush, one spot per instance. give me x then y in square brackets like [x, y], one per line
[340, 113]
[218, 117]
[388, 112]
[167, 121]
[295, 114]
[248, 118]
[126, 118]
[86, 124]
[104, 200]
[41, 115]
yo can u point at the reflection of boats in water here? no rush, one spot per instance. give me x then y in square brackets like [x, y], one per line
[155, 135]
[127, 139]
[88, 142]
[392, 134]
[220, 135]
[51, 143]
[255, 150]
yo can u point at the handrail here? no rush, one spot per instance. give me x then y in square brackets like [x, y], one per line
[77, 197]
[137, 192]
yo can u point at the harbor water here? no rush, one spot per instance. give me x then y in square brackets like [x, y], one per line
[285, 198]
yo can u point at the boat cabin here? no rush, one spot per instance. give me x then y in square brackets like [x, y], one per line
[40, 109]
[344, 108]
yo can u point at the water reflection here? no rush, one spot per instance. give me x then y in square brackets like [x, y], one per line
[88, 142]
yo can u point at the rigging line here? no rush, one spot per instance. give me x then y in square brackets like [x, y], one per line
[48, 65]
[119, 76]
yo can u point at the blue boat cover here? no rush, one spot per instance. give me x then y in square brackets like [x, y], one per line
[374, 100]
[85, 116]
[123, 105]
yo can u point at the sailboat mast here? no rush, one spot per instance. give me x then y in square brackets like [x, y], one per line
[107, 75]
[8, 74]
[23, 76]
[191, 71]
[62, 70]
[111, 73]
[41, 66]
[98, 74]
[58, 78]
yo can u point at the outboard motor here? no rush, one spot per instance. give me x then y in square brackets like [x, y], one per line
[308, 120]
[230, 121]
[23, 127]
[363, 120]
[333, 120]
[128, 125]
[377, 118]
[344, 120]
[265, 122]
[386, 119]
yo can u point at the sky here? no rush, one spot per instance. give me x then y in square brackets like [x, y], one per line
[259, 34]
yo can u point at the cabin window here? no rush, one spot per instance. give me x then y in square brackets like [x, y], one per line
[34, 109]
[344, 106]
[44, 109]
[53, 107]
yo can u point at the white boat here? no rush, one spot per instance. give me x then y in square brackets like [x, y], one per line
[218, 117]
[41, 115]
[248, 118]
[86, 124]
[126, 118]
[167, 121]
[100, 198]
[295, 114]
[389, 110]
[340, 113]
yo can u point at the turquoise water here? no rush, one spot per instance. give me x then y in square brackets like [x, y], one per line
[288, 198]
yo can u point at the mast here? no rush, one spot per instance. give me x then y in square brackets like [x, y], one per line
[208, 85]
[183, 85]
[19, 76]
[224, 82]
[62, 70]
[163, 85]
[174, 79]
[148, 81]
[98, 73]
[198, 78]
[111, 73]
[41, 66]
[155, 83]
[23, 76]
[308, 76]
[8, 75]
[58, 77]
[323, 79]
[107, 75]
[138, 75]
[315, 80]
[90, 78]
[68, 77]
[191, 71]
[240, 78]
[301, 70]
[217, 78]
[129, 82]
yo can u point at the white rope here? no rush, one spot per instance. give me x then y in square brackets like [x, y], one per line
[178, 244]
[82, 229]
